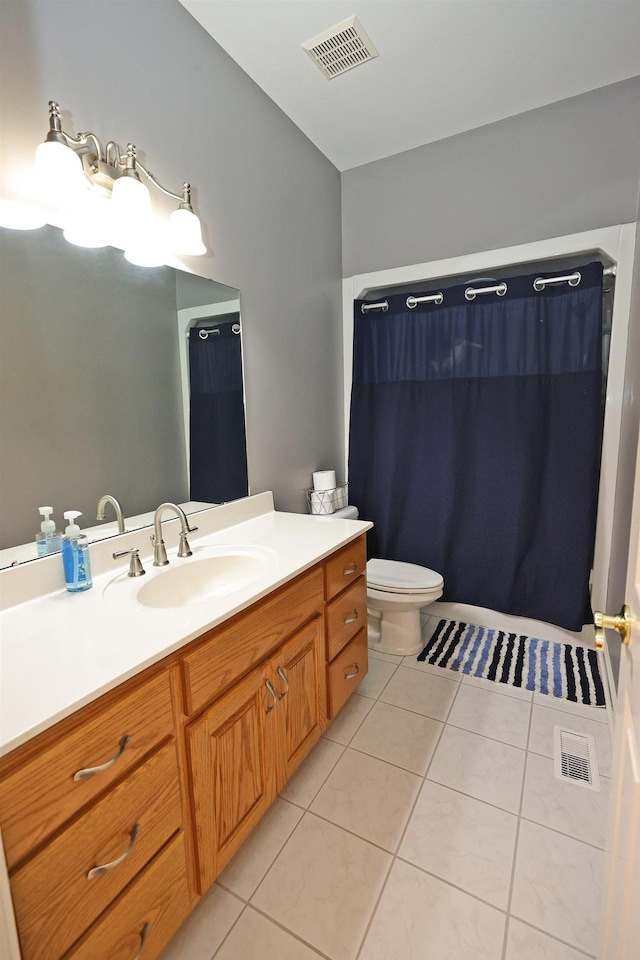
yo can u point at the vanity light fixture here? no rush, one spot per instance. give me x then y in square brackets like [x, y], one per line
[103, 200]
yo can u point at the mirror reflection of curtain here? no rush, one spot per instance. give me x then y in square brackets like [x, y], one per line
[217, 442]
[475, 441]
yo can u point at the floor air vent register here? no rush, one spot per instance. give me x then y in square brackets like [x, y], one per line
[575, 759]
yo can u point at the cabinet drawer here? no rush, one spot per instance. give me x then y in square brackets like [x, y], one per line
[145, 917]
[55, 897]
[346, 672]
[38, 796]
[345, 616]
[344, 566]
[231, 651]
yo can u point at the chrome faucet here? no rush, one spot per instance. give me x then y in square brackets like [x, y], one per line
[116, 506]
[159, 552]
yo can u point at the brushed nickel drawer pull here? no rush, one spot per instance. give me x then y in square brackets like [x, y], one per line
[269, 687]
[104, 867]
[350, 676]
[351, 619]
[283, 675]
[144, 933]
[349, 570]
[90, 771]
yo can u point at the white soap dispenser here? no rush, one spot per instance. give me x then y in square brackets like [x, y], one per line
[75, 556]
[48, 540]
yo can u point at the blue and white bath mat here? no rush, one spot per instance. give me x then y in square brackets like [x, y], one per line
[558, 669]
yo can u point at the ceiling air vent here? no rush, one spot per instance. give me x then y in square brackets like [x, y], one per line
[575, 758]
[340, 48]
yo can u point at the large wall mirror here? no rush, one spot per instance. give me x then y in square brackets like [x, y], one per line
[114, 379]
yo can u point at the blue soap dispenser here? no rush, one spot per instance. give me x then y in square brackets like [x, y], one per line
[75, 556]
[48, 540]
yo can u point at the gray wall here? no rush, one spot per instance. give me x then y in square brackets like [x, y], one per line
[145, 71]
[564, 168]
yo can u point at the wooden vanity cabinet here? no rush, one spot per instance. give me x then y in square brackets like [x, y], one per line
[345, 587]
[162, 779]
[245, 746]
[86, 811]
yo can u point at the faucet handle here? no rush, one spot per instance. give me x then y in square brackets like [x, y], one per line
[135, 564]
[184, 550]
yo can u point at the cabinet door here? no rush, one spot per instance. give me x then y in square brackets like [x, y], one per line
[298, 677]
[233, 771]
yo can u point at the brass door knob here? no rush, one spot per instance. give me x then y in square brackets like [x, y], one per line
[621, 623]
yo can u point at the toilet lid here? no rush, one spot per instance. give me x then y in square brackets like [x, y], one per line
[398, 577]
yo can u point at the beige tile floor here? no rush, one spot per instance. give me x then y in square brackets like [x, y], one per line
[427, 824]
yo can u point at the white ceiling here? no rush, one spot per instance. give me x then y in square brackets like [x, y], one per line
[445, 66]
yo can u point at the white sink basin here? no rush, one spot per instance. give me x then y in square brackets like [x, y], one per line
[211, 572]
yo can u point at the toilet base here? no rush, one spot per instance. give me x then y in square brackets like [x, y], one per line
[399, 634]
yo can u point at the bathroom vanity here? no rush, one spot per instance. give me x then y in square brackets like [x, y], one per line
[126, 788]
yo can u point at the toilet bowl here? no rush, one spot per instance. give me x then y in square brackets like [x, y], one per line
[396, 592]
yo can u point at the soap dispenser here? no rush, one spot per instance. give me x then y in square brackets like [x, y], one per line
[48, 540]
[75, 556]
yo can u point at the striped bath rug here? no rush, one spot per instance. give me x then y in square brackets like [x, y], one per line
[558, 669]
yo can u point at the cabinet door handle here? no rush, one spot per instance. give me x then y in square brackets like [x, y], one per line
[269, 687]
[283, 675]
[104, 867]
[350, 676]
[352, 618]
[90, 771]
[349, 570]
[144, 933]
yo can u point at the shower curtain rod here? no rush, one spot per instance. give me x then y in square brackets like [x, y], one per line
[573, 279]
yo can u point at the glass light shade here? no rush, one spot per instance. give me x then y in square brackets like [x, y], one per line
[185, 234]
[89, 222]
[59, 170]
[130, 212]
[148, 247]
[146, 255]
[19, 215]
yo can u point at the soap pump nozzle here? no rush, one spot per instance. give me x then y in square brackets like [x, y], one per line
[73, 530]
[47, 525]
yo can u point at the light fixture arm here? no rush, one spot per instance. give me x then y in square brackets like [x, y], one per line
[112, 173]
[184, 197]
[122, 163]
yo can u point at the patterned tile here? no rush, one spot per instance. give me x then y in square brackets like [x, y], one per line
[557, 885]
[462, 840]
[420, 917]
[398, 736]
[324, 886]
[482, 768]
[421, 692]
[369, 797]
[501, 718]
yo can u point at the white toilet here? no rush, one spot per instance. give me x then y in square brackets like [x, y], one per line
[396, 592]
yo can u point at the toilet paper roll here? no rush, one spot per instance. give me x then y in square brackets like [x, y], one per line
[347, 513]
[324, 480]
[340, 497]
[321, 502]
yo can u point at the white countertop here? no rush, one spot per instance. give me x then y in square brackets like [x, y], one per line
[60, 651]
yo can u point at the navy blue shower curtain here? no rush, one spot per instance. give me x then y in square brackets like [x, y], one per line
[475, 441]
[217, 440]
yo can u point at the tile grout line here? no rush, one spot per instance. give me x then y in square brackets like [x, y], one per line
[393, 855]
[277, 923]
[517, 837]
